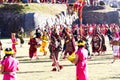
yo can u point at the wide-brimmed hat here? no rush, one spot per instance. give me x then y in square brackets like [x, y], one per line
[8, 51]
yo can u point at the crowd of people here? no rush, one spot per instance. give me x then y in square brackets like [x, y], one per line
[68, 40]
[88, 2]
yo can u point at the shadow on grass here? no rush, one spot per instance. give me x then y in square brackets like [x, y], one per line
[111, 78]
[19, 57]
[68, 65]
[117, 77]
[96, 63]
[101, 58]
[35, 61]
[30, 72]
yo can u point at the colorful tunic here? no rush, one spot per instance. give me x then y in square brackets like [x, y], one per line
[10, 67]
[96, 43]
[116, 47]
[33, 47]
[81, 66]
[44, 44]
[69, 46]
[14, 43]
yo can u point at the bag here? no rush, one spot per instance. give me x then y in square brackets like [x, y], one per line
[71, 57]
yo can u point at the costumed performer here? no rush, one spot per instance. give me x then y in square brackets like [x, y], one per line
[81, 61]
[33, 46]
[14, 43]
[9, 65]
[115, 46]
[43, 47]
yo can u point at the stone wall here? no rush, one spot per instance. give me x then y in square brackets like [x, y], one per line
[101, 17]
[10, 22]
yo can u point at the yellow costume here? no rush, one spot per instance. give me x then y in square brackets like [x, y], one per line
[44, 44]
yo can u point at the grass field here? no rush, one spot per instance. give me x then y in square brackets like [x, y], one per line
[99, 67]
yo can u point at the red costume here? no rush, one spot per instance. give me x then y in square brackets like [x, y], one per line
[33, 47]
[96, 43]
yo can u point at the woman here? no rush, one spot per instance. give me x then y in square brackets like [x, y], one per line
[9, 65]
[81, 61]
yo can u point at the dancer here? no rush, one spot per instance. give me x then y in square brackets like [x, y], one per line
[9, 65]
[55, 48]
[33, 46]
[115, 46]
[14, 43]
[96, 42]
[43, 47]
[69, 43]
[20, 36]
[81, 61]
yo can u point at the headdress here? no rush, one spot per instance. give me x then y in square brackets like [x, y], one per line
[81, 43]
[8, 51]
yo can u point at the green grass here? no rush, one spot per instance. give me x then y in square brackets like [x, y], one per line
[99, 67]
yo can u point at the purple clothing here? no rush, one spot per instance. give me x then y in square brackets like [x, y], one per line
[81, 66]
[10, 65]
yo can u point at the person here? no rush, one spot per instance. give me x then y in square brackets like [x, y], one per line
[109, 34]
[69, 43]
[55, 46]
[96, 42]
[9, 65]
[0, 49]
[33, 46]
[81, 61]
[43, 47]
[20, 36]
[14, 43]
[115, 46]
[38, 31]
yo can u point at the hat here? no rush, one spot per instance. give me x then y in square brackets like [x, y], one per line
[81, 43]
[8, 51]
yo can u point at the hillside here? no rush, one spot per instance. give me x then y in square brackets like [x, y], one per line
[48, 9]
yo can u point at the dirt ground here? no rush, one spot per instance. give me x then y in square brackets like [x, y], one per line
[99, 67]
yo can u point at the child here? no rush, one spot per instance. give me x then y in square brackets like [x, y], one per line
[14, 43]
[44, 43]
[9, 65]
[0, 49]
